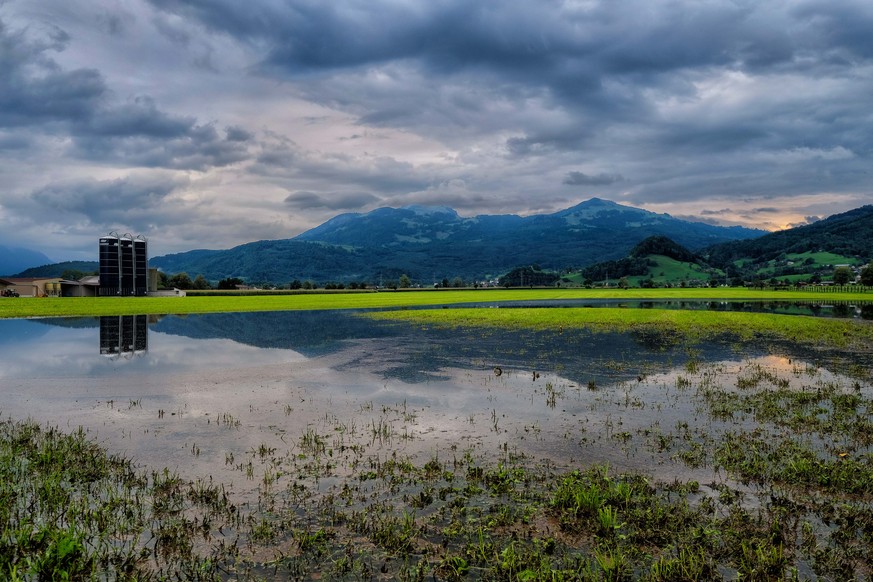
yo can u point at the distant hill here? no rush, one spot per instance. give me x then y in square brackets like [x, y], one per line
[58, 269]
[661, 245]
[431, 243]
[656, 258]
[276, 261]
[17, 259]
[848, 234]
[797, 253]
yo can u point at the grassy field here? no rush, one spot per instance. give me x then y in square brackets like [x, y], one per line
[666, 323]
[92, 306]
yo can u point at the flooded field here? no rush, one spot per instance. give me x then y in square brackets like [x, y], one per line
[353, 448]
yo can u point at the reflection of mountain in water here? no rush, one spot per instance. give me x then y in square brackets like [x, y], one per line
[578, 355]
[69, 322]
[416, 354]
[311, 333]
[14, 331]
[413, 354]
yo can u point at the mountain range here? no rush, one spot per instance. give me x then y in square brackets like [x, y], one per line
[432, 243]
[15, 259]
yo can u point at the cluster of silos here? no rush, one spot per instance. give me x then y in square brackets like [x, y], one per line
[124, 265]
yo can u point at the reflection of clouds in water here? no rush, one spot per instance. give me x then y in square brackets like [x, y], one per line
[60, 352]
[178, 354]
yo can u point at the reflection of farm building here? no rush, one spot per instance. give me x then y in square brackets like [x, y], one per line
[124, 265]
[125, 335]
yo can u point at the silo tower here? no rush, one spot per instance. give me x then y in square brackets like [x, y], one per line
[124, 265]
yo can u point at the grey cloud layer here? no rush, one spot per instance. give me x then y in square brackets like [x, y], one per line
[609, 69]
[39, 94]
[108, 201]
[295, 109]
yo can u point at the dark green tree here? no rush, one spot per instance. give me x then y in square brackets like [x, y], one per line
[180, 281]
[200, 283]
[72, 275]
[230, 283]
[842, 275]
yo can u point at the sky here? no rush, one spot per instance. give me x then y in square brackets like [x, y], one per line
[211, 123]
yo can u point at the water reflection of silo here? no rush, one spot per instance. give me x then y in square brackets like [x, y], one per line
[124, 335]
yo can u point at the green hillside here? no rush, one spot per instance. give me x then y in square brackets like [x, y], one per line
[793, 267]
[666, 270]
[839, 239]
[655, 261]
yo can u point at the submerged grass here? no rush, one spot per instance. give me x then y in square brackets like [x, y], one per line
[794, 503]
[459, 518]
[93, 306]
[675, 324]
[70, 511]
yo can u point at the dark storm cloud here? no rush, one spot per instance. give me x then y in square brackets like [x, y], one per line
[38, 94]
[562, 44]
[282, 158]
[600, 61]
[140, 117]
[35, 90]
[329, 200]
[582, 179]
[131, 202]
[194, 147]
[235, 133]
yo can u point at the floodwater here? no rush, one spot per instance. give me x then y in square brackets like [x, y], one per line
[200, 394]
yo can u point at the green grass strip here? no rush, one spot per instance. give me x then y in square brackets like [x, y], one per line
[691, 325]
[92, 306]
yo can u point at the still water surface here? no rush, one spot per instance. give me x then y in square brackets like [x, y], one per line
[192, 392]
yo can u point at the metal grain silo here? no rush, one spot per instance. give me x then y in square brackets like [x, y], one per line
[110, 268]
[140, 266]
[125, 256]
